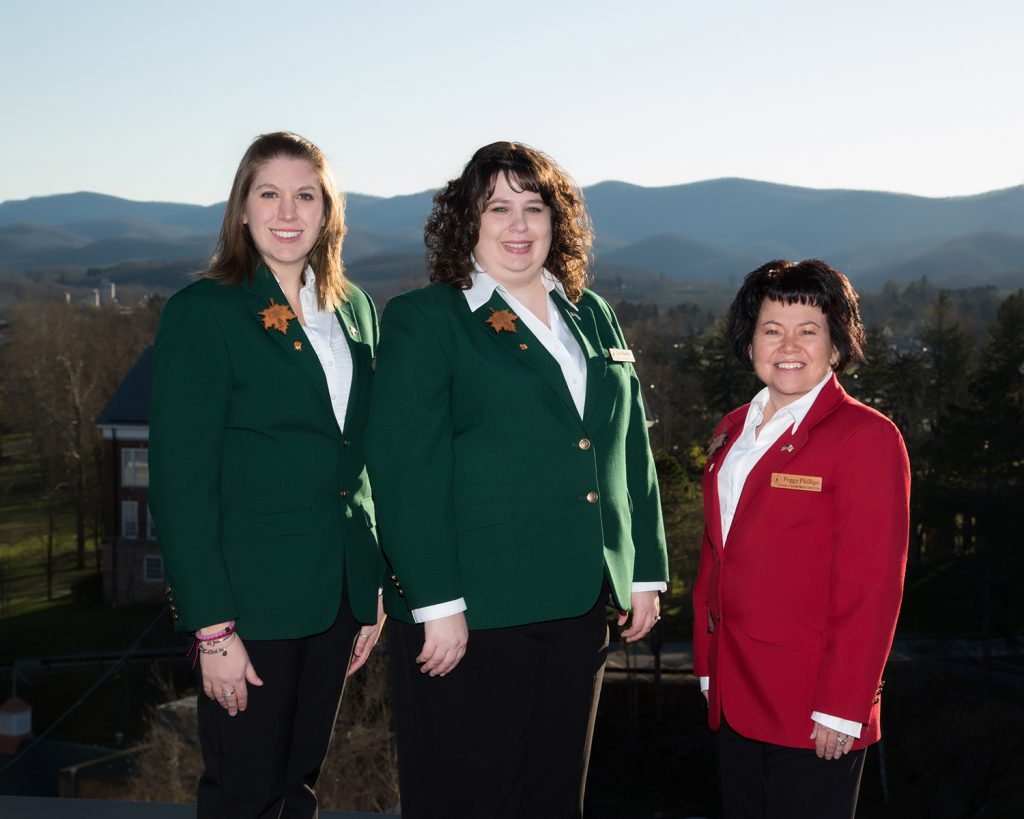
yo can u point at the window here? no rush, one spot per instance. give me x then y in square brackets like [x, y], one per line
[130, 519]
[134, 467]
[153, 569]
[151, 525]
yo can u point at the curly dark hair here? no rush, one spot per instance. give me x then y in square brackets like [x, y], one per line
[453, 227]
[810, 282]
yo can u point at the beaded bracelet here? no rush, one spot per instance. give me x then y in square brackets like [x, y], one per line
[209, 638]
[220, 648]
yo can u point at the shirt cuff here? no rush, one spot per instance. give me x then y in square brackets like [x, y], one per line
[438, 610]
[843, 726]
[705, 683]
[649, 585]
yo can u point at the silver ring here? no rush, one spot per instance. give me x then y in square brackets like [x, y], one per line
[843, 740]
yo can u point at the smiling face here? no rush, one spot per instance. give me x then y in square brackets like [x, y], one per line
[515, 235]
[284, 210]
[792, 350]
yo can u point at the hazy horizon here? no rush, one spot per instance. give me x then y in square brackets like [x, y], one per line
[592, 185]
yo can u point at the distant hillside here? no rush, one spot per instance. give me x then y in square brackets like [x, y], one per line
[678, 256]
[68, 208]
[814, 222]
[714, 231]
[990, 257]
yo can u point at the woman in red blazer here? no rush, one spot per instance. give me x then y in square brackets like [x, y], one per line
[806, 511]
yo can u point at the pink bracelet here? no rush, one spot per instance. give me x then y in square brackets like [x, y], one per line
[209, 638]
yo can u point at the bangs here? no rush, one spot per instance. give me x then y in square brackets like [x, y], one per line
[796, 285]
[520, 175]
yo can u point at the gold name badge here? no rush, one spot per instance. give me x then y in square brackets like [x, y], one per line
[618, 354]
[805, 483]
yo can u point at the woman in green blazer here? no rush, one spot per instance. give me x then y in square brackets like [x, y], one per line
[258, 485]
[517, 496]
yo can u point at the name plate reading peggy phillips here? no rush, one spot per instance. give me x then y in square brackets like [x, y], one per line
[805, 483]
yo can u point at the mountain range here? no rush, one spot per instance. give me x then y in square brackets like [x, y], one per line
[714, 231]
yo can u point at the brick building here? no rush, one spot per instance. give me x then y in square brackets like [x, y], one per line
[133, 568]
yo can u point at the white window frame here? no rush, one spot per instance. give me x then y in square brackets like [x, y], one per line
[134, 466]
[130, 519]
[149, 562]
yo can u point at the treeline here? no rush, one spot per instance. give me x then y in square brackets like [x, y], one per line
[946, 366]
[59, 366]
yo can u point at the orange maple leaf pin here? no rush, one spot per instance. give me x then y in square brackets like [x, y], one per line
[502, 320]
[276, 317]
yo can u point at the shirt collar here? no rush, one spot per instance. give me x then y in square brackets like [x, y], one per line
[797, 411]
[484, 285]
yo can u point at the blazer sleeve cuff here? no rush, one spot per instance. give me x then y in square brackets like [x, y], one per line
[438, 610]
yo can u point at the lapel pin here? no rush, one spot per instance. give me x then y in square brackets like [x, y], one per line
[711, 468]
[522, 347]
[502, 320]
[353, 330]
[787, 448]
[298, 346]
[276, 317]
[717, 443]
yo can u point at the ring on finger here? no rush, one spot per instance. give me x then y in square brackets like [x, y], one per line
[843, 740]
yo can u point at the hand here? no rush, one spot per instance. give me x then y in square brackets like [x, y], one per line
[705, 693]
[367, 639]
[826, 742]
[225, 675]
[444, 644]
[646, 612]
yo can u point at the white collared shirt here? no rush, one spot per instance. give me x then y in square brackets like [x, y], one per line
[732, 476]
[328, 341]
[556, 336]
[751, 445]
[560, 342]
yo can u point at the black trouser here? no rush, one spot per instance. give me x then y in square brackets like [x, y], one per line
[507, 733]
[272, 752]
[759, 780]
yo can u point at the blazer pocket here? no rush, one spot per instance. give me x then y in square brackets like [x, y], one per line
[245, 523]
[785, 633]
[483, 513]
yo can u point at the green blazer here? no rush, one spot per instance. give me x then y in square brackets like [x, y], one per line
[488, 483]
[262, 504]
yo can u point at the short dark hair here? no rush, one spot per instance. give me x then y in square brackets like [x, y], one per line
[231, 262]
[810, 282]
[453, 227]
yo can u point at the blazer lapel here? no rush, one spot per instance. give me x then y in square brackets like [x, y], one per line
[524, 345]
[788, 446]
[731, 430]
[584, 327]
[262, 290]
[359, 348]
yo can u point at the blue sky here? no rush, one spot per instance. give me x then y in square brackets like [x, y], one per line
[157, 100]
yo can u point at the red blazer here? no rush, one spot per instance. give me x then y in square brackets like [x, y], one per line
[797, 614]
